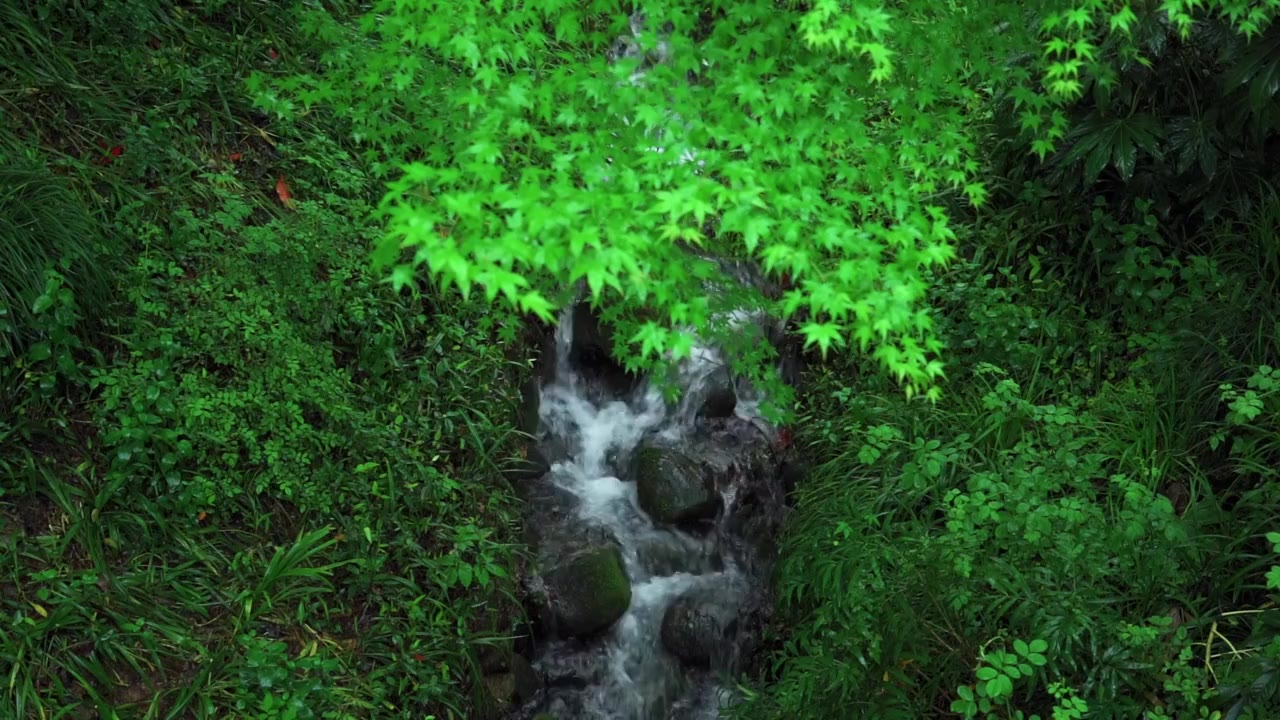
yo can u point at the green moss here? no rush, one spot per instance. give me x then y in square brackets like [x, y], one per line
[591, 590]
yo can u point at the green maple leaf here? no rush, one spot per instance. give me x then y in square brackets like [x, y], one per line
[824, 335]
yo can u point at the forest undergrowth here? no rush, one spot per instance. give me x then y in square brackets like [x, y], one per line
[244, 477]
[1086, 525]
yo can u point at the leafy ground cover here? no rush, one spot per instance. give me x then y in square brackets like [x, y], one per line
[242, 477]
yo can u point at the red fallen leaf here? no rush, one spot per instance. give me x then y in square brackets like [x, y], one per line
[235, 156]
[272, 52]
[785, 438]
[419, 657]
[282, 190]
[111, 153]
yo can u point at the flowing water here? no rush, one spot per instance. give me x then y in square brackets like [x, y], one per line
[627, 674]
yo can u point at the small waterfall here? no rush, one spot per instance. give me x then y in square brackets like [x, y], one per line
[592, 437]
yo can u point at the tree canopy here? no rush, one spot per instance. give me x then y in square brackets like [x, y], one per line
[835, 144]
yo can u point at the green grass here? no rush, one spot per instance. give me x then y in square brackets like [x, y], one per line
[44, 225]
[243, 478]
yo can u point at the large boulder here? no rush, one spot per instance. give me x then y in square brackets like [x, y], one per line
[736, 452]
[699, 628]
[750, 524]
[581, 586]
[527, 680]
[673, 487]
[586, 590]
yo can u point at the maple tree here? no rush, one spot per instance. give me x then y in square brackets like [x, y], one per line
[834, 142]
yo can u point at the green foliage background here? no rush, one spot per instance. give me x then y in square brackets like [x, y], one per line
[246, 474]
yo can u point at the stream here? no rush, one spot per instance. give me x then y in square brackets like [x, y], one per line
[654, 525]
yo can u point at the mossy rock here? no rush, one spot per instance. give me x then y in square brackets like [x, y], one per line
[673, 487]
[498, 693]
[588, 591]
[493, 697]
[496, 656]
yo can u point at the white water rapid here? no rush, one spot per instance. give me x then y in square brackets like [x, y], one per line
[626, 674]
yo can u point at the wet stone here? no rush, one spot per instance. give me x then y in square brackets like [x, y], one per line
[719, 397]
[698, 628]
[527, 412]
[591, 353]
[588, 591]
[544, 503]
[673, 487]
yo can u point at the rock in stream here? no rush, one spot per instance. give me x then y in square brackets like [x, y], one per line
[672, 486]
[646, 587]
